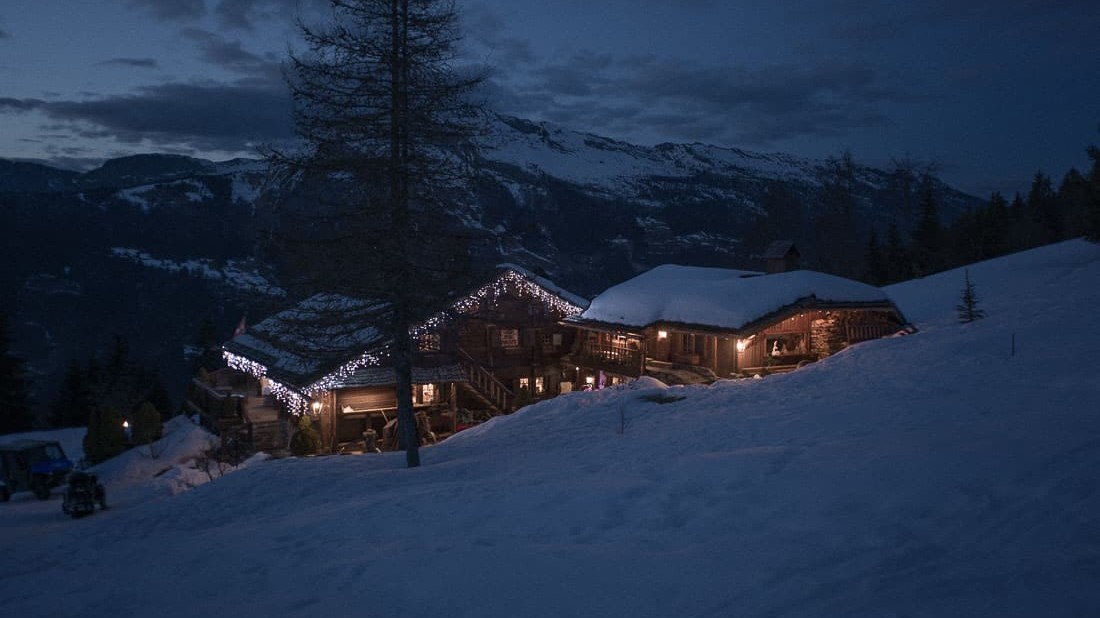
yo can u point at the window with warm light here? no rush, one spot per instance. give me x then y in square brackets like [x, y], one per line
[427, 393]
[662, 334]
[540, 385]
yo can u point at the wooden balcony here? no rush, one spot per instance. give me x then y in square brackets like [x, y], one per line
[620, 359]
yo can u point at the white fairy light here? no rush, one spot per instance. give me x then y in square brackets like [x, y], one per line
[294, 401]
[492, 290]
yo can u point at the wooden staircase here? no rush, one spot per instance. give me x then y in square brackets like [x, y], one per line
[483, 386]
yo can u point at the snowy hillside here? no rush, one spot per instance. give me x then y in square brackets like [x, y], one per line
[935, 474]
[622, 169]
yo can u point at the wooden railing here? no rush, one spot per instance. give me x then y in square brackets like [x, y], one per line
[215, 402]
[622, 359]
[221, 406]
[485, 383]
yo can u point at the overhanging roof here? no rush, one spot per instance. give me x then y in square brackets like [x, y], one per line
[327, 334]
[716, 299]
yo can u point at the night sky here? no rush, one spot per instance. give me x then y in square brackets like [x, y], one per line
[988, 90]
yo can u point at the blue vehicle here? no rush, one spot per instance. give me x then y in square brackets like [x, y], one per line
[34, 465]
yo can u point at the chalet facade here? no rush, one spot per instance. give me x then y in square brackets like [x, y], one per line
[490, 352]
[686, 324]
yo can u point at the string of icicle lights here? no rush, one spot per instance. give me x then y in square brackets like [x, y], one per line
[491, 291]
[337, 377]
[499, 286]
[295, 403]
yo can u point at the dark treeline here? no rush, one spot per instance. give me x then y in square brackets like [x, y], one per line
[104, 392]
[997, 227]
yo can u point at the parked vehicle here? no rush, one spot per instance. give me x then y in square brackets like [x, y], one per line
[34, 465]
[82, 494]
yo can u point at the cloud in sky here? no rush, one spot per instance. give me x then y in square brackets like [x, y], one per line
[171, 9]
[679, 100]
[237, 14]
[942, 79]
[203, 116]
[231, 54]
[485, 39]
[244, 14]
[134, 63]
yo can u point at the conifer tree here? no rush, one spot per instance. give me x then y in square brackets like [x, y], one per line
[305, 441]
[1092, 216]
[875, 270]
[379, 106]
[74, 401]
[1046, 222]
[837, 221]
[927, 237]
[968, 307]
[995, 223]
[106, 435]
[15, 409]
[898, 265]
[209, 346]
[146, 426]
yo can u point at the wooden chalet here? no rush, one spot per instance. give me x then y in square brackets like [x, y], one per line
[686, 324]
[488, 353]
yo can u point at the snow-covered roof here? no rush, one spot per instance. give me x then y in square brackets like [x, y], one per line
[546, 284]
[720, 298]
[304, 342]
[327, 335]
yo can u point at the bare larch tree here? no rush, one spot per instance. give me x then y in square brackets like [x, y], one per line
[385, 119]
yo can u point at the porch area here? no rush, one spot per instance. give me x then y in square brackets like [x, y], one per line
[232, 405]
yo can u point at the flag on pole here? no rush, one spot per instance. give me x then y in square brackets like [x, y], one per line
[241, 327]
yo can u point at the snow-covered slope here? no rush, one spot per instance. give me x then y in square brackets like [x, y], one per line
[936, 474]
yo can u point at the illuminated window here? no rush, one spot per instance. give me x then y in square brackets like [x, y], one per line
[427, 393]
[788, 344]
[525, 383]
[540, 385]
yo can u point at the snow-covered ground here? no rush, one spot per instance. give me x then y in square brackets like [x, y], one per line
[173, 465]
[945, 473]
